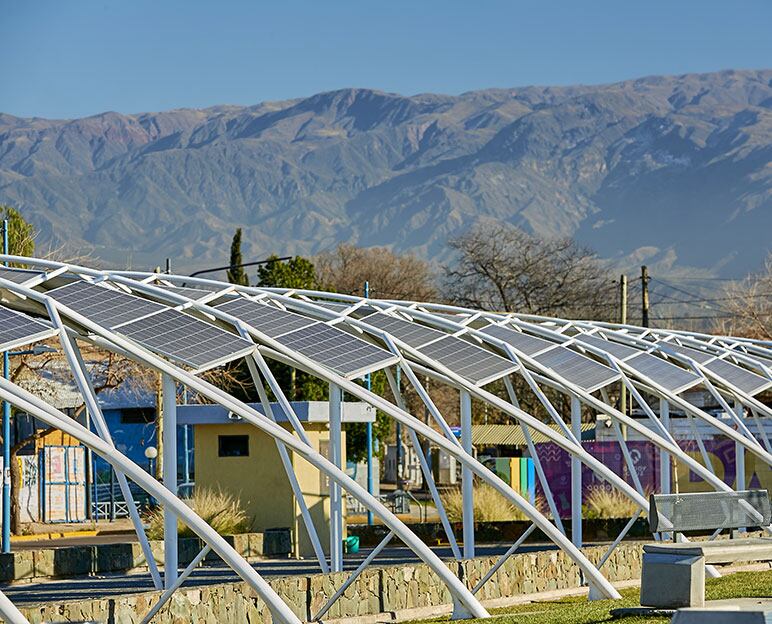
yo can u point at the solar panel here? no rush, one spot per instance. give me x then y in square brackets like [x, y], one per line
[18, 276]
[339, 351]
[470, 361]
[191, 293]
[695, 354]
[670, 376]
[408, 332]
[186, 339]
[17, 329]
[102, 305]
[520, 341]
[617, 350]
[333, 305]
[267, 319]
[577, 368]
[743, 379]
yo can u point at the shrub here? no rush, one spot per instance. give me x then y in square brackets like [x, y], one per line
[606, 503]
[489, 505]
[221, 510]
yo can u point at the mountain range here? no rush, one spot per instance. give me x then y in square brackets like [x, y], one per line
[673, 171]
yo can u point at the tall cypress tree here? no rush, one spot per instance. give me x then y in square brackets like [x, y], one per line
[236, 274]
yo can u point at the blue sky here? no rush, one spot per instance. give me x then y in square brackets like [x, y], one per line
[71, 59]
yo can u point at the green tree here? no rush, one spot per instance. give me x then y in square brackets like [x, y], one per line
[21, 234]
[237, 274]
[298, 272]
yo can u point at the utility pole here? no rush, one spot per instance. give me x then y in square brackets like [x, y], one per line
[645, 296]
[623, 321]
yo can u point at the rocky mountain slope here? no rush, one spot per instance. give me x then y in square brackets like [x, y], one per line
[674, 171]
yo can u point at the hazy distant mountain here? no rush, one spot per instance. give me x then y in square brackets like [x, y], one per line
[671, 170]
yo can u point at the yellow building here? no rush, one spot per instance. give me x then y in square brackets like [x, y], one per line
[237, 457]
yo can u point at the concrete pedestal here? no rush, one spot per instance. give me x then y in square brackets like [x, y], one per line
[727, 615]
[672, 581]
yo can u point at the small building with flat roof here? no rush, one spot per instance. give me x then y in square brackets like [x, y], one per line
[237, 457]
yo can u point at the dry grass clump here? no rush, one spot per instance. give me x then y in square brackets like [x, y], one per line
[221, 510]
[489, 505]
[605, 503]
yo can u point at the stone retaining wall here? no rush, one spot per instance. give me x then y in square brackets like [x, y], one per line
[385, 589]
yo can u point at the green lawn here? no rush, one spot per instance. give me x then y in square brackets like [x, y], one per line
[578, 610]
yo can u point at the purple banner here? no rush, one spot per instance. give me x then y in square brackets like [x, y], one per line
[557, 468]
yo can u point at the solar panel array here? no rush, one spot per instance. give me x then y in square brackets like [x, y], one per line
[745, 380]
[578, 369]
[670, 376]
[267, 319]
[186, 339]
[410, 333]
[17, 329]
[520, 341]
[343, 353]
[733, 374]
[105, 306]
[467, 360]
[18, 276]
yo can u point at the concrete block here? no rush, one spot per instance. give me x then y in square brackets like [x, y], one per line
[118, 557]
[69, 561]
[15, 566]
[255, 544]
[721, 615]
[277, 542]
[672, 581]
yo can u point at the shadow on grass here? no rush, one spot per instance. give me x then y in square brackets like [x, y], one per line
[577, 610]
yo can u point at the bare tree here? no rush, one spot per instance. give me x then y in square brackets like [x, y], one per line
[347, 268]
[34, 372]
[750, 306]
[502, 268]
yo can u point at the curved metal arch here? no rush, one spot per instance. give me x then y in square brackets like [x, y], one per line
[571, 448]
[645, 432]
[548, 432]
[751, 446]
[463, 598]
[591, 572]
[453, 449]
[36, 407]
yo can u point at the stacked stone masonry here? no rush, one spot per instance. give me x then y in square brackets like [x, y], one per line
[385, 589]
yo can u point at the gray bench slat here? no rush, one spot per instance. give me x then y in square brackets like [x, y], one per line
[696, 511]
[723, 551]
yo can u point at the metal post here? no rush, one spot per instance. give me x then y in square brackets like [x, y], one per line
[664, 457]
[336, 502]
[644, 296]
[467, 478]
[186, 459]
[170, 477]
[112, 494]
[6, 540]
[623, 321]
[739, 450]
[369, 425]
[576, 475]
[399, 436]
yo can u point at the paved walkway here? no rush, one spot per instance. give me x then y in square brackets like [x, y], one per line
[58, 590]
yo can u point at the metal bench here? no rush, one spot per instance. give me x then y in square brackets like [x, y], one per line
[674, 573]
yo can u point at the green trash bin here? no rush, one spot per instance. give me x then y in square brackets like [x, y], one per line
[352, 544]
